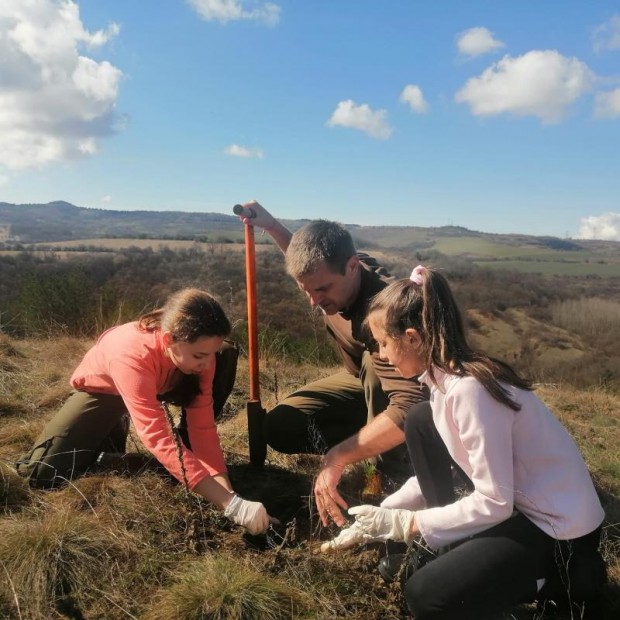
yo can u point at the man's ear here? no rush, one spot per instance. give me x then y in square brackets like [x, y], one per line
[352, 264]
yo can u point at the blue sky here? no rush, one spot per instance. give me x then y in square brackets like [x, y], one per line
[500, 117]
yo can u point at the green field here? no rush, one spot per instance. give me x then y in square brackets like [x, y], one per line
[555, 267]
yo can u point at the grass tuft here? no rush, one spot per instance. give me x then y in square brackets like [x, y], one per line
[7, 348]
[17, 436]
[14, 490]
[218, 587]
[56, 560]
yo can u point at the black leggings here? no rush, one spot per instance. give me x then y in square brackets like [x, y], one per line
[497, 569]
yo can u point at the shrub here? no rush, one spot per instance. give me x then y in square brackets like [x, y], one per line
[589, 317]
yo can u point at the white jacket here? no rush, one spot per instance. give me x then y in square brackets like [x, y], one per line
[523, 460]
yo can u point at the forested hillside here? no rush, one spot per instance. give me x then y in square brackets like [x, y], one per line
[521, 316]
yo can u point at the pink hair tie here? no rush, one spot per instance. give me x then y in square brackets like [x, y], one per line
[417, 275]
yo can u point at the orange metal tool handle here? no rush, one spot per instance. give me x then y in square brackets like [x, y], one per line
[250, 282]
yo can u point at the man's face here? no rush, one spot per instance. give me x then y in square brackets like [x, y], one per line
[332, 292]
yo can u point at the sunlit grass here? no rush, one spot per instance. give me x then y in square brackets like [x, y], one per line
[219, 587]
[57, 558]
[14, 490]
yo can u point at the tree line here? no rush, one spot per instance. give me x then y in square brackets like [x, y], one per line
[42, 294]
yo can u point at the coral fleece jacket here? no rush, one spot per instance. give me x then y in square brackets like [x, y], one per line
[133, 364]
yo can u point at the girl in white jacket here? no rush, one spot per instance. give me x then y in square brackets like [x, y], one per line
[528, 526]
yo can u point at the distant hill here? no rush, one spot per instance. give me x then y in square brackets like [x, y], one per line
[60, 221]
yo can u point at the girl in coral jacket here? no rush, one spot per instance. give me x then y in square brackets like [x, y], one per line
[527, 526]
[168, 355]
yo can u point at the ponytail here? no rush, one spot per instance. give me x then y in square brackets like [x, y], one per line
[425, 302]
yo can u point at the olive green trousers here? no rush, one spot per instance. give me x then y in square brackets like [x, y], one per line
[325, 412]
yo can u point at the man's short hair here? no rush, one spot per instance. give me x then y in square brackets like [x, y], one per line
[319, 241]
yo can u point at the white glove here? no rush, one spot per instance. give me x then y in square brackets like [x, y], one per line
[348, 537]
[409, 496]
[384, 523]
[251, 515]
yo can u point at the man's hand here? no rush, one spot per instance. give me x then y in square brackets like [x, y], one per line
[383, 524]
[328, 500]
[261, 218]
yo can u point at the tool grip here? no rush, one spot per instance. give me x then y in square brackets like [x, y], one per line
[242, 211]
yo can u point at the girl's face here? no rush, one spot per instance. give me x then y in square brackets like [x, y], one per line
[401, 352]
[193, 358]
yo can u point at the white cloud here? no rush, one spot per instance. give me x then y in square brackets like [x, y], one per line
[539, 83]
[106, 199]
[362, 117]
[477, 41]
[233, 10]
[4, 180]
[607, 104]
[605, 227]
[88, 146]
[236, 150]
[55, 103]
[606, 37]
[412, 95]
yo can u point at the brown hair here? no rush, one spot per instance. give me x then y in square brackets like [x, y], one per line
[319, 241]
[431, 309]
[188, 314]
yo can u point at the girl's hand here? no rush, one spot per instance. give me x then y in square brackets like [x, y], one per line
[251, 515]
[347, 538]
[385, 523]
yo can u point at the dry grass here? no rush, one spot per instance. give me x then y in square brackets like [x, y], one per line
[13, 489]
[18, 435]
[218, 587]
[593, 419]
[56, 560]
[113, 547]
[514, 333]
[593, 318]
[39, 378]
[153, 244]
